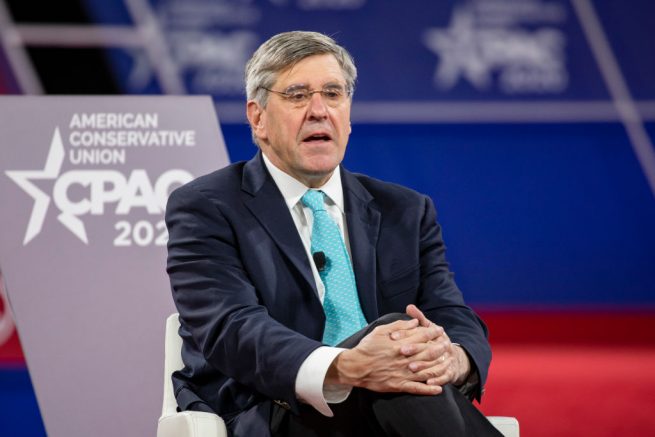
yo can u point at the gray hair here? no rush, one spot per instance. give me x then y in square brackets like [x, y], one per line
[285, 50]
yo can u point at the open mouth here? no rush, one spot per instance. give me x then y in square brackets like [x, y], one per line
[319, 137]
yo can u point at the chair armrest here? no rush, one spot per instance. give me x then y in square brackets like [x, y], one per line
[508, 426]
[191, 424]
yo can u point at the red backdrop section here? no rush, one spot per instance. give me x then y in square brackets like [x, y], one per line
[573, 373]
[10, 350]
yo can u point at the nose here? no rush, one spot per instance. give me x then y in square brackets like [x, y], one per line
[317, 109]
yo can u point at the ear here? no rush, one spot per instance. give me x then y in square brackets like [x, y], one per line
[257, 119]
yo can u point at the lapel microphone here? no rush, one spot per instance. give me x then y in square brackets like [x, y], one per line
[320, 260]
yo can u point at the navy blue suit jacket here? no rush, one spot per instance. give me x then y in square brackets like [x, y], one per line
[244, 288]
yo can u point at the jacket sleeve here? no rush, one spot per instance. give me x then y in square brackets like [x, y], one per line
[219, 305]
[442, 302]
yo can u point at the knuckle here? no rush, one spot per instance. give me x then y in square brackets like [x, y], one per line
[408, 349]
[431, 373]
[427, 335]
[414, 389]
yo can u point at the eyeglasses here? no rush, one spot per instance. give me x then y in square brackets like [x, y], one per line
[333, 95]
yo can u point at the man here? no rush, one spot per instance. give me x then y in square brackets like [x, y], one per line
[275, 261]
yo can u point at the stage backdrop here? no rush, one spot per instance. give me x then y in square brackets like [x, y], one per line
[529, 122]
[84, 183]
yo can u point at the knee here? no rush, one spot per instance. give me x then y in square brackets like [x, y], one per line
[390, 318]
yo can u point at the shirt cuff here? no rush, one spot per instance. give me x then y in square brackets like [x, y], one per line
[310, 381]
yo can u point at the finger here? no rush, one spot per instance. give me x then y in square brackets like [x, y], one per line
[419, 388]
[428, 351]
[438, 375]
[446, 378]
[424, 334]
[404, 333]
[413, 312]
[398, 325]
[434, 334]
[426, 368]
[431, 355]
[442, 336]
[445, 336]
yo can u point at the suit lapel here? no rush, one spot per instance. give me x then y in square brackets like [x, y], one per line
[268, 206]
[363, 221]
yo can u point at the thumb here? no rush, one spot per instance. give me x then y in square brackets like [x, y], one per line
[413, 312]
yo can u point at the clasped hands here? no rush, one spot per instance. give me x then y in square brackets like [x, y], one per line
[412, 356]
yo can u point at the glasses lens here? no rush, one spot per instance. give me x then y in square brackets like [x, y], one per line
[331, 95]
[298, 95]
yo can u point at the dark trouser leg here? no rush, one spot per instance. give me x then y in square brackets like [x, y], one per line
[447, 414]
[367, 413]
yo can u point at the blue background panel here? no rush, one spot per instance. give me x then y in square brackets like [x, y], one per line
[628, 27]
[546, 214]
[19, 412]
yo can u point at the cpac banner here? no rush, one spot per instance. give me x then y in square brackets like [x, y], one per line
[415, 53]
[83, 188]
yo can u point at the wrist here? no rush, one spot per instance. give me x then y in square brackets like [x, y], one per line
[344, 370]
[463, 365]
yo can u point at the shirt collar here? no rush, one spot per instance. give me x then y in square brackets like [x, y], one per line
[292, 189]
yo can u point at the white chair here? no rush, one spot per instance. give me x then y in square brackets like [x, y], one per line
[186, 423]
[198, 424]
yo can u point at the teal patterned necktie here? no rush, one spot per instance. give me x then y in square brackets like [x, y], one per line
[343, 314]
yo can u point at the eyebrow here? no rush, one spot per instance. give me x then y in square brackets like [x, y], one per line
[303, 86]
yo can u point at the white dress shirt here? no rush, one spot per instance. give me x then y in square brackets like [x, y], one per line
[310, 387]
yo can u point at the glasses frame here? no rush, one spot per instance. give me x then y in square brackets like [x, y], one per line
[286, 95]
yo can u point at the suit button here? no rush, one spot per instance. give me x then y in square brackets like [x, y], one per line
[282, 404]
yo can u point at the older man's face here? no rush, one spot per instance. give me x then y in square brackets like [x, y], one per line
[306, 142]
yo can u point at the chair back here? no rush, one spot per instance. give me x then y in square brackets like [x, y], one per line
[172, 362]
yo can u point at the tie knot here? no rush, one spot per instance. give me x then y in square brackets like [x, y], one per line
[314, 200]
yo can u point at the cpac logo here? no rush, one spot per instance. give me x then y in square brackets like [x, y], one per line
[215, 61]
[104, 187]
[525, 61]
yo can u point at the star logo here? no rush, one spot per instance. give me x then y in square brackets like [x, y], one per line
[519, 59]
[24, 179]
[459, 52]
